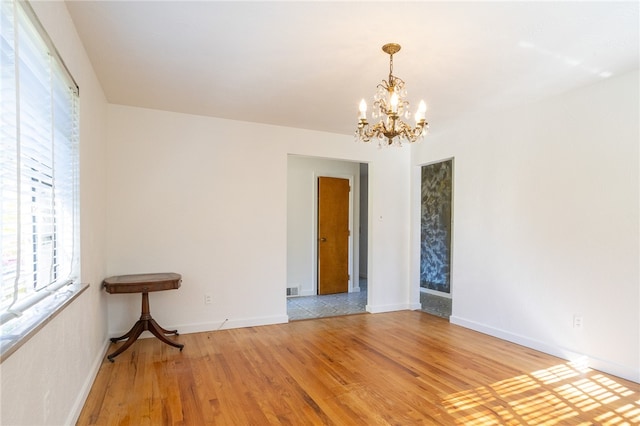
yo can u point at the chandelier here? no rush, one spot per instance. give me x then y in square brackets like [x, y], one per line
[390, 106]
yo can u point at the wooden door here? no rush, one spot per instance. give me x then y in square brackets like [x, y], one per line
[333, 235]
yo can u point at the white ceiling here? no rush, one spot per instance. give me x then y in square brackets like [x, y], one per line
[308, 64]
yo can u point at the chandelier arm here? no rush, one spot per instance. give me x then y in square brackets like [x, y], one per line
[361, 132]
[398, 129]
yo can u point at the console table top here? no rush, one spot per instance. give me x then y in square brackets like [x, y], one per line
[142, 283]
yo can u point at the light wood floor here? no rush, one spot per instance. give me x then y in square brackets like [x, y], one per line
[400, 368]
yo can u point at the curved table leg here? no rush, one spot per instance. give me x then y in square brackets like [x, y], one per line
[163, 330]
[135, 332]
[160, 332]
[124, 336]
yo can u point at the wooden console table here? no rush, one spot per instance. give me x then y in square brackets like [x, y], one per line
[143, 283]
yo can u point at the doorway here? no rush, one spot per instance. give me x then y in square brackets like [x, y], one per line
[435, 237]
[303, 300]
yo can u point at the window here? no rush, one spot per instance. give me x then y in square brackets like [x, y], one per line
[39, 219]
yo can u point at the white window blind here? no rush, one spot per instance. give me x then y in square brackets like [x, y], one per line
[39, 115]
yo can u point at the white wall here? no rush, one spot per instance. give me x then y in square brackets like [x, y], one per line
[546, 223]
[207, 198]
[302, 184]
[46, 381]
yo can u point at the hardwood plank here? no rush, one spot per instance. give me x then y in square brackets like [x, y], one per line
[394, 368]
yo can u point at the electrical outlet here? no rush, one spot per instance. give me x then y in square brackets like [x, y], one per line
[577, 321]
[208, 299]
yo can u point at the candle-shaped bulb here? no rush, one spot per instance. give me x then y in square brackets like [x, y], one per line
[422, 108]
[394, 102]
[363, 109]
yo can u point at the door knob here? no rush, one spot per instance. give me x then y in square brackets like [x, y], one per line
[323, 240]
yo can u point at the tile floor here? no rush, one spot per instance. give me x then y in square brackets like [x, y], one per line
[331, 305]
[435, 305]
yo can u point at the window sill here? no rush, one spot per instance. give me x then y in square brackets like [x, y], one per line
[15, 334]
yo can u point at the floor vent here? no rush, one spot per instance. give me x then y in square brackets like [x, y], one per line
[293, 291]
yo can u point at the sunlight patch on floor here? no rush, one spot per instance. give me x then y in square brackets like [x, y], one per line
[581, 396]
